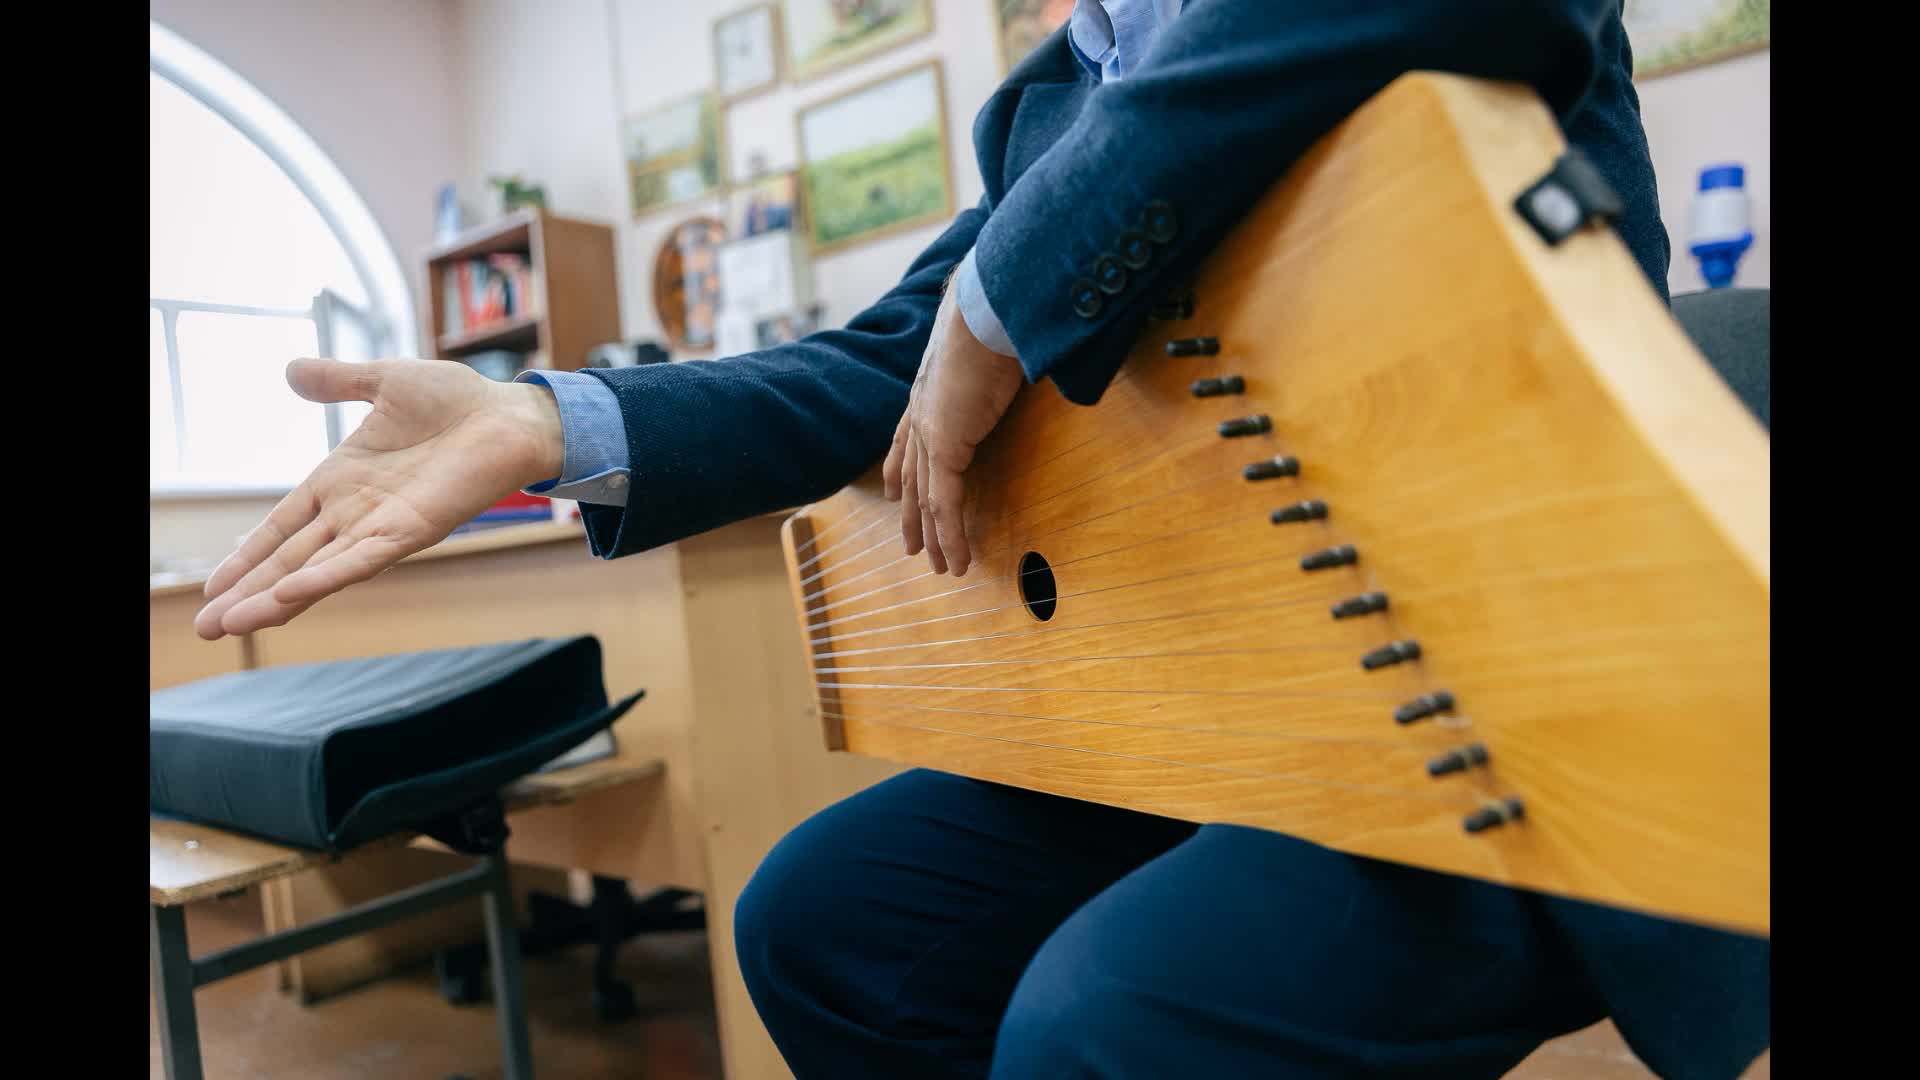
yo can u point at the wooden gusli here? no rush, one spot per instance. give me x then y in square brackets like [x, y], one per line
[1418, 537]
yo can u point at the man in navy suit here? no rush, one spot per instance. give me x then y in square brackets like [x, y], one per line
[934, 926]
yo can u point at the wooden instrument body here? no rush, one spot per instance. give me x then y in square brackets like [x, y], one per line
[1565, 506]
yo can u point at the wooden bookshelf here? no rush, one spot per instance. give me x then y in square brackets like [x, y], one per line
[575, 296]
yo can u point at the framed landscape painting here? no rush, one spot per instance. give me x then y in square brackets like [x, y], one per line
[873, 161]
[1674, 35]
[672, 153]
[826, 34]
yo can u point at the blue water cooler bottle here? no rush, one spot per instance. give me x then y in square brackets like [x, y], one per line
[1721, 232]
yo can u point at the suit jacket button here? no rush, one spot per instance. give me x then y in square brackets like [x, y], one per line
[1109, 275]
[1160, 222]
[1086, 298]
[1135, 249]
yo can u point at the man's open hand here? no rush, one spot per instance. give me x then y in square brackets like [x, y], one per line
[960, 394]
[441, 445]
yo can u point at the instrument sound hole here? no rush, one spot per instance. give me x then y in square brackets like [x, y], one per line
[1037, 589]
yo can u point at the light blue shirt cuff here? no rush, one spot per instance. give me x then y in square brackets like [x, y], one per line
[979, 316]
[593, 465]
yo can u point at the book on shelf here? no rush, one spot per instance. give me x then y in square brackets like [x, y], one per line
[518, 508]
[479, 292]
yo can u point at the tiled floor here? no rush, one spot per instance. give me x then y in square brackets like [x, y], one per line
[401, 1029]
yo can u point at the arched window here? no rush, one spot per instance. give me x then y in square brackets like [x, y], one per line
[260, 252]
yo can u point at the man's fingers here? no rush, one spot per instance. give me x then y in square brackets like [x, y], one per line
[259, 612]
[948, 495]
[297, 551]
[357, 561]
[366, 558]
[289, 516]
[910, 536]
[332, 380]
[896, 455]
[928, 527]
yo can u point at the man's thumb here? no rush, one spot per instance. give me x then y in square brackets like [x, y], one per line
[332, 380]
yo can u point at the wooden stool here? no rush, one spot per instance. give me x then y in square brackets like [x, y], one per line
[188, 862]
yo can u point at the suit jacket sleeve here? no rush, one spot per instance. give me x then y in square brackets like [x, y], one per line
[713, 441]
[1164, 162]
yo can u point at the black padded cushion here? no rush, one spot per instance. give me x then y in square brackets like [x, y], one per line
[328, 756]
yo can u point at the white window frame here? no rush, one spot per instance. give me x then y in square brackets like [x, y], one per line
[390, 303]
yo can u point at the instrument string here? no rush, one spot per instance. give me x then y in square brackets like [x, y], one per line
[1471, 788]
[1264, 651]
[878, 519]
[1408, 744]
[887, 509]
[980, 524]
[1193, 572]
[1082, 626]
[1314, 695]
[876, 545]
[1235, 520]
[1440, 798]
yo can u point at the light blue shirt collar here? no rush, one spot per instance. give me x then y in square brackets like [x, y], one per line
[1111, 36]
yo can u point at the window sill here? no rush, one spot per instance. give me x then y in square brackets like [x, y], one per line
[183, 492]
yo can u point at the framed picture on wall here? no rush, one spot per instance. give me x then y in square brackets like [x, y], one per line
[1674, 35]
[873, 160]
[746, 52]
[1023, 24]
[686, 282]
[673, 153]
[826, 34]
[764, 205]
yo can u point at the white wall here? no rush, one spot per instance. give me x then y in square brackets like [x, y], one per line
[1719, 113]
[546, 82]
[541, 100]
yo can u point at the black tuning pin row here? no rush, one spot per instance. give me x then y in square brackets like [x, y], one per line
[1194, 346]
[1310, 510]
[1420, 708]
[1494, 815]
[1364, 604]
[1342, 555]
[1225, 384]
[1460, 760]
[1272, 468]
[1245, 425]
[1398, 652]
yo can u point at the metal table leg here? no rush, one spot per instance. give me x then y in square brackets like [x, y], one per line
[509, 994]
[173, 983]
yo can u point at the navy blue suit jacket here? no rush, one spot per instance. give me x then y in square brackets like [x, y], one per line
[1231, 94]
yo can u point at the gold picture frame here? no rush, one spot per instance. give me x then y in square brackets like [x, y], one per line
[652, 180]
[767, 203]
[804, 20]
[897, 166]
[776, 48]
[1669, 37]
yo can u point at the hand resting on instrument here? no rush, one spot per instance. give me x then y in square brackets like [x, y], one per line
[959, 395]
